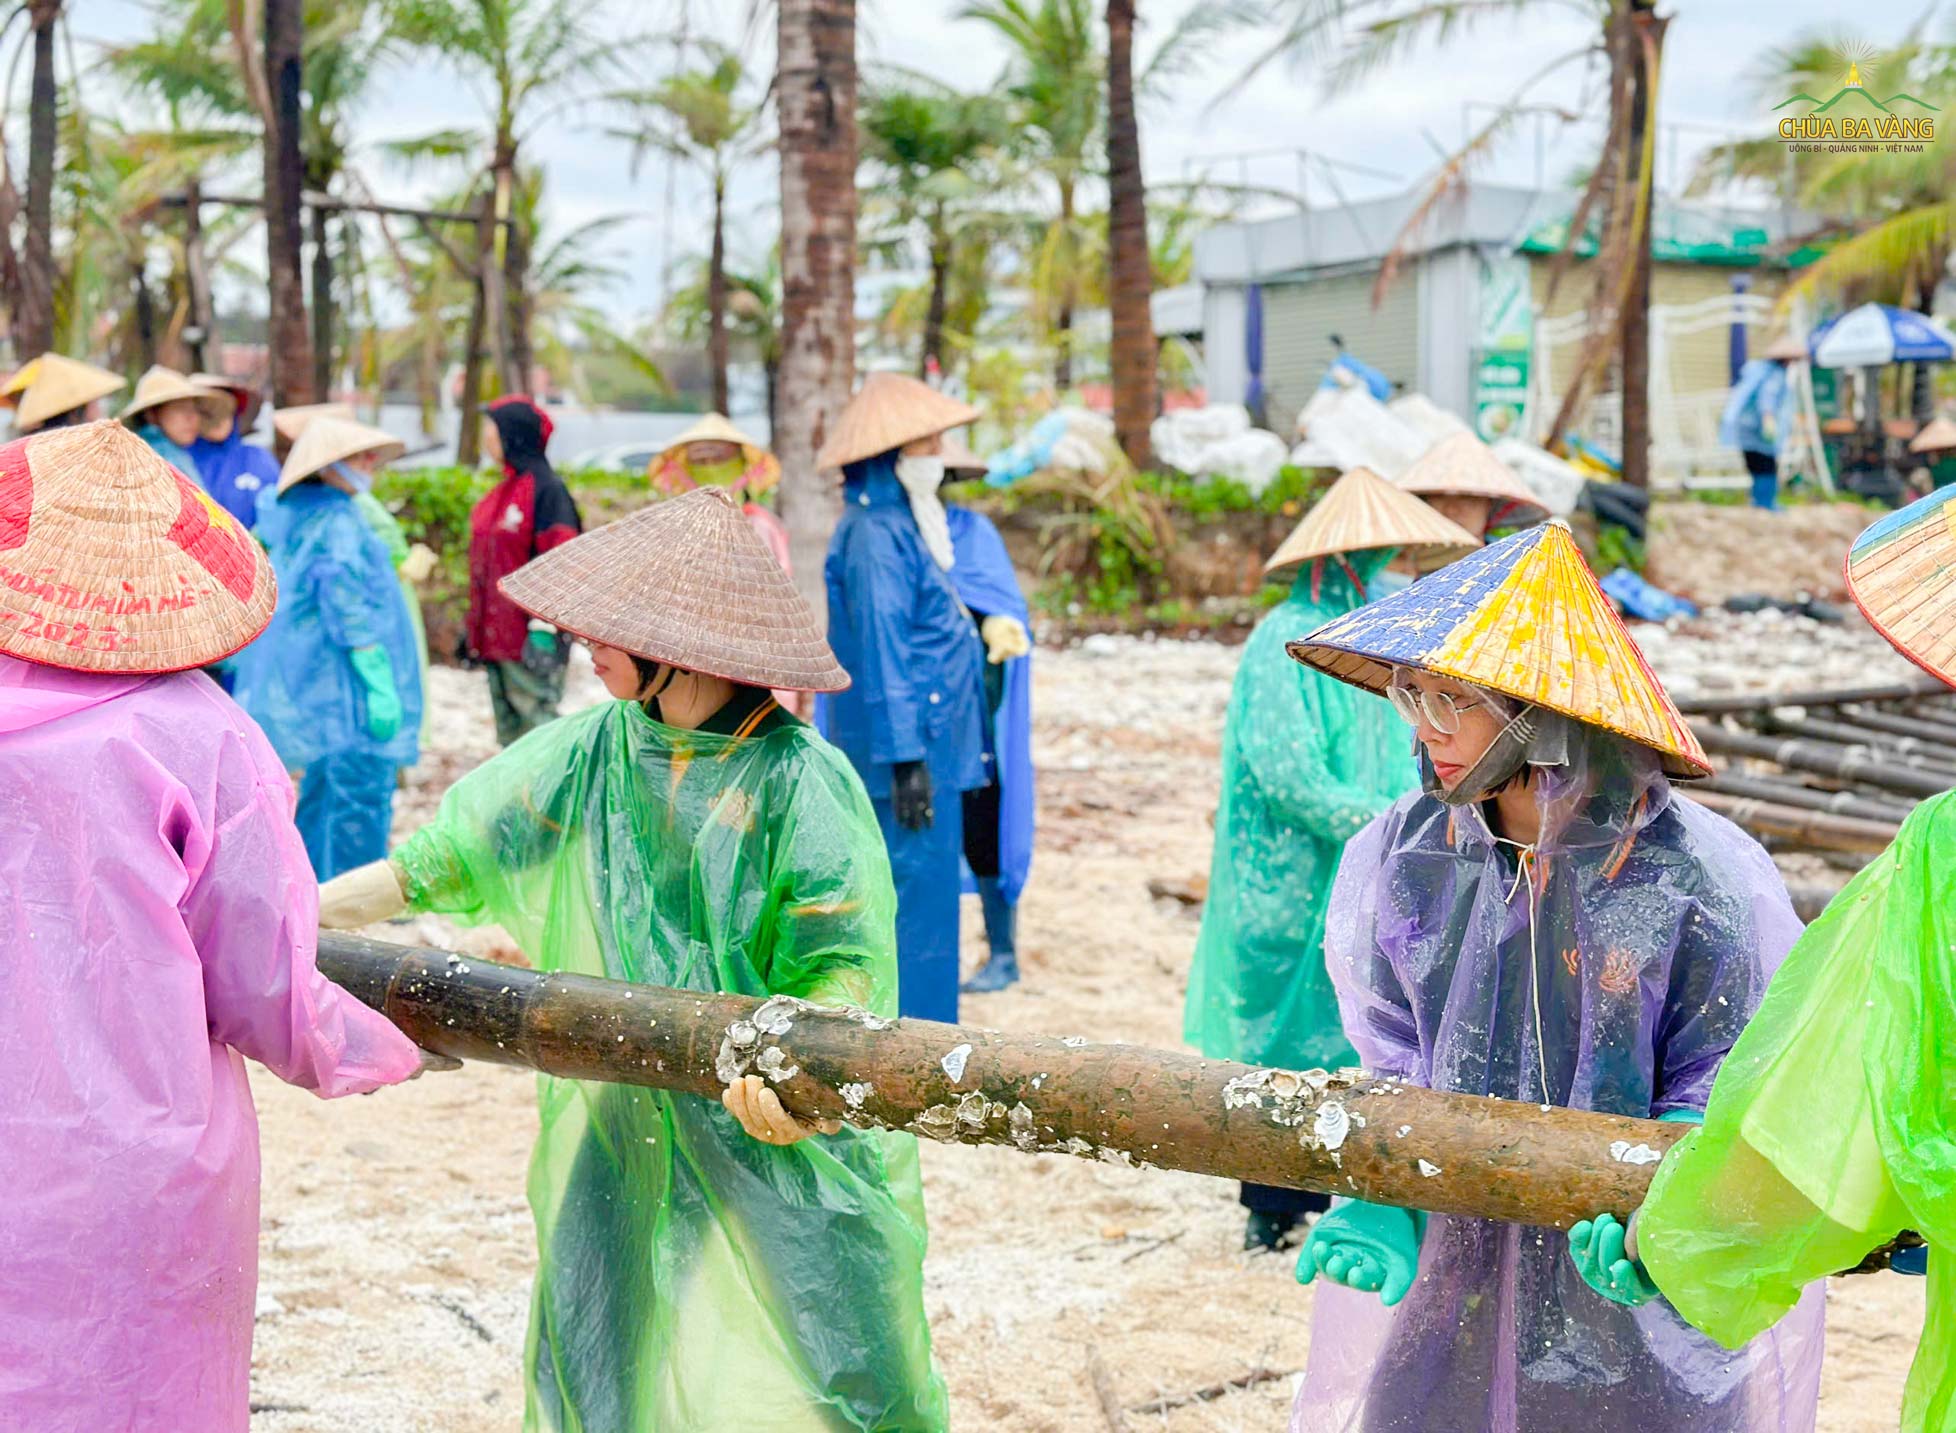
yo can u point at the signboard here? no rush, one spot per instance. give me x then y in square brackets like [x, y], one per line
[1505, 349]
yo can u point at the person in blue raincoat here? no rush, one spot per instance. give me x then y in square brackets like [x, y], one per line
[235, 473]
[335, 681]
[912, 719]
[168, 411]
[1758, 417]
[998, 816]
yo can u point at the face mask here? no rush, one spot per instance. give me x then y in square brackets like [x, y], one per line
[920, 478]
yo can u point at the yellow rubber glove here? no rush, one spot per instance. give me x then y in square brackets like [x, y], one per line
[362, 896]
[1005, 638]
[419, 562]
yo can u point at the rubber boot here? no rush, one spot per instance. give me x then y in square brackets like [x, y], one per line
[1001, 934]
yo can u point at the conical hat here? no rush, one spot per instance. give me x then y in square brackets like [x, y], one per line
[1938, 436]
[1902, 574]
[18, 380]
[888, 411]
[760, 469]
[326, 440]
[1362, 510]
[960, 459]
[1786, 348]
[1463, 466]
[289, 423]
[236, 390]
[1524, 617]
[687, 582]
[57, 385]
[113, 561]
[161, 385]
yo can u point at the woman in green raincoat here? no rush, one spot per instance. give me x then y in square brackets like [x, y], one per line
[1307, 762]
[700, 1267]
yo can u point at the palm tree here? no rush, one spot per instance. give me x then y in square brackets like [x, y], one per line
[753, 311]
[291, 345]
[931, 148]
[815, 108]
[36, 315]
[1615, 204]
[1129, 282]
[698, 116]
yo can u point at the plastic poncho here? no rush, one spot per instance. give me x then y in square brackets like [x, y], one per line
[1833, 1125]
[689, 1276]
[1307, 761]
[336, 591]
[159, 924]
[1650, 927]
[235, 473]
[988, 586]
[1761, 396]
[387, 528]
[913, 658]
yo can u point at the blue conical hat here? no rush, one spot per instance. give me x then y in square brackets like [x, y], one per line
[1524, 617]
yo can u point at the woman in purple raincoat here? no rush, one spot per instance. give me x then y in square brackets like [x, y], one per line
[1546, 921]
[157, 925]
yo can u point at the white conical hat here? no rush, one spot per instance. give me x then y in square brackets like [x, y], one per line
[160, 385]
[327, 440]
[1362, 510]
[55, 384]
[889, 410]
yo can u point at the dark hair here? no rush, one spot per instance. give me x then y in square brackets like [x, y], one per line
[73, 417]
[647, 669]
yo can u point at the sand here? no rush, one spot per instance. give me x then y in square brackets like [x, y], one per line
[397, 1248]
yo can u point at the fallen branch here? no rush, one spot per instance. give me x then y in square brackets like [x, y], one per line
[1103, 1389]
[1211, 1393]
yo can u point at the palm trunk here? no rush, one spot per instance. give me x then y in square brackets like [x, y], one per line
[516, 279]
[144, 308]
[468, 447]
[291, 348]
[322, 308]
[940, 283]
[1634, 334]
[716, 296]
[208, 351]
[815, 98]
[495, 292]
[1130, 281]
[1063, 324]
[36, 315]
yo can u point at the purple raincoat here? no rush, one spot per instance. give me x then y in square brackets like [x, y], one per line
[157, 921]
[1655, 928]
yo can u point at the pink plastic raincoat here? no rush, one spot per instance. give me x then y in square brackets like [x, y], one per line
[157, 921]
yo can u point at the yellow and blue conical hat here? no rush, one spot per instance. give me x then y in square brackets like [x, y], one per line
[1902, 575]
[1524, 617]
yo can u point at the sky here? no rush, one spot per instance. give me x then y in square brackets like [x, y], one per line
[1388, 133]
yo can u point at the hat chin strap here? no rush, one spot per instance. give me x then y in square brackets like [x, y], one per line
[1503, 760]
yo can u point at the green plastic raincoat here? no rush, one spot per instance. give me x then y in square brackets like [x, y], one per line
[1832, 1125]
[1307, 762]
[690, 1277]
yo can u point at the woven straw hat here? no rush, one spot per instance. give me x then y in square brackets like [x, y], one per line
[1463, 466]
[687, 582]
[326, 440]
[960, 459]
[888, 411]
[289, 423]
[113, 561]
[1901, 573]
[1362, 510]
[57, 385]
[160, 385]
[760, 469]
[238, 391]
[1786, 348]
[18, 380]
[1524, 617]
[1937, 437]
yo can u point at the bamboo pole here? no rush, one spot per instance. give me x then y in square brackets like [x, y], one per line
[1819, 758]
[1927, 729]
[1923, 686]
[1809, 828]
[1880, 746]
[1346, 1133]
[1809, 798]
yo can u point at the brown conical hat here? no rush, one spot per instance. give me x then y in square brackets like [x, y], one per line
[56, 385]
[1938, 435]
[113, 561]
[289, 423]
[960, 459]
[1362, 510]
[160, 385]
[1463, 466]
[687, 582]
[326, 440]
[888, 411]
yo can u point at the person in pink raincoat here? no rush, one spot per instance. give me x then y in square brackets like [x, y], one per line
[157, 925]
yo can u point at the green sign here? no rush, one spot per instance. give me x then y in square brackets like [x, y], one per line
[1507, 339]
[1500, 394]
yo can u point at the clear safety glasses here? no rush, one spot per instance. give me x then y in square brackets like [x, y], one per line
[1439, 710]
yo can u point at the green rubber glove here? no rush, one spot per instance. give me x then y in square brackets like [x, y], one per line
[376, 673]
[1596, 1245]
[1370, 1247]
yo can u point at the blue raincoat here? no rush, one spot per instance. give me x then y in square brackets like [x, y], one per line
[175, 455]
[986, 584]
[336, 592]
[913, 659]
[235, 473]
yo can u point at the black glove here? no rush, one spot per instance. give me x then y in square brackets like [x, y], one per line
[910, 794]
